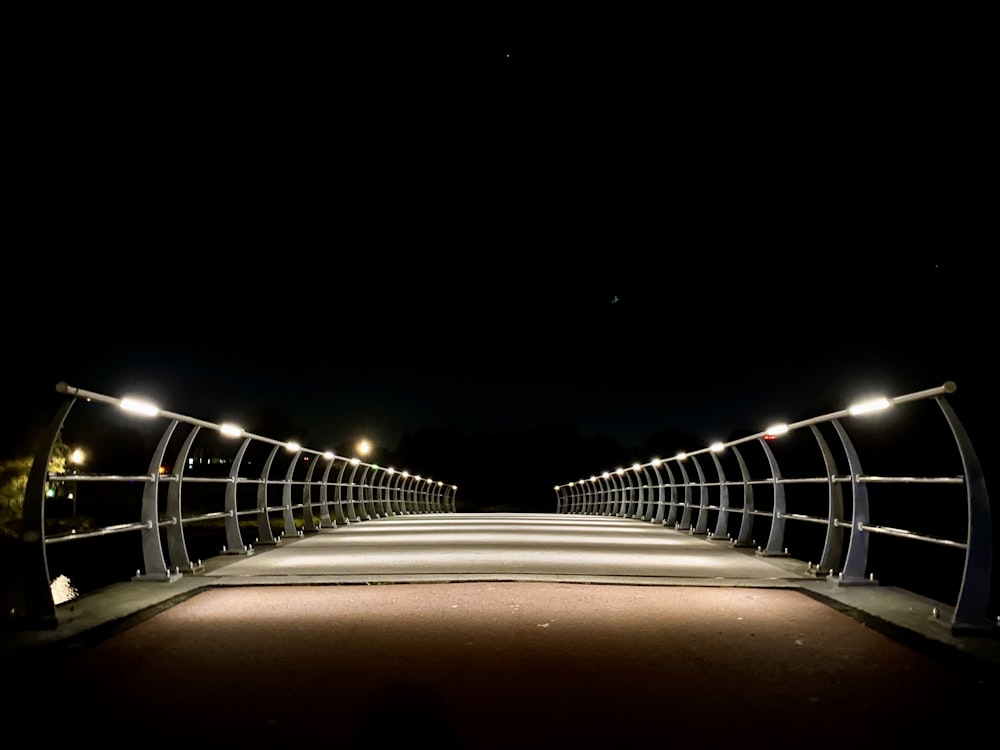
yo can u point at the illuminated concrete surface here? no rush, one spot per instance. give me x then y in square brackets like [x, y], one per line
[500, 545]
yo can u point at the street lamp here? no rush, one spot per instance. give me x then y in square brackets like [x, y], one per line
[77, 457]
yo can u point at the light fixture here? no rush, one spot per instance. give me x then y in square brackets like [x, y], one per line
[231, 430]
[867, 407]
[137, 406]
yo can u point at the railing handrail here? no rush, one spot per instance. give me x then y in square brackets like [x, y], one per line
[613, 492]
[369, 496]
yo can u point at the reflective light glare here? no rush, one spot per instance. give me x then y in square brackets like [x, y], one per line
[716, 447]
[293, 446]
[681, 456]
[636, 467]
[355, 461]
[656, 462]
[328, 455]
[231, 430]
[777, 429]
[866, 407]
[605, 475]
[619, 470]
[391, 470]
[136, 406]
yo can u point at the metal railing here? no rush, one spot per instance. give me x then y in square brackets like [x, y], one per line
[663, 491]
[329, 490]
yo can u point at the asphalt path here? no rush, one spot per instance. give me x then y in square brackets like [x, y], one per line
[499, 665]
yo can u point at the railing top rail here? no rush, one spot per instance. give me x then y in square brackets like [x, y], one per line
[142, 407]
[870, 405]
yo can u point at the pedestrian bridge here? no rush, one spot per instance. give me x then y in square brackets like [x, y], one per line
[791, 505]
[718, 596]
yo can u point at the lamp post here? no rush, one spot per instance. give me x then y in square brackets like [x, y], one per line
[77, 457]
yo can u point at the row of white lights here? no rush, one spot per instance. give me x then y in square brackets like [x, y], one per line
[147, 409]
[864, 407]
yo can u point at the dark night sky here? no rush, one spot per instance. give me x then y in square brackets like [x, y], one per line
[697, 227]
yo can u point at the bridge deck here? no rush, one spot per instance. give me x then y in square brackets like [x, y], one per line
[684, 639]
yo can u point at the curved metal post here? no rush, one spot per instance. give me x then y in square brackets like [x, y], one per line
[971, 611]
[661, 495]
[429, 493]
[685, 522]
[394, 502]
[39, 606]
[264, 533]
[153, 562]
[429, 489]
[308, 519]
[833, 544]
[436, 504]
[631, 494]
[288, 517]
[609, 495]
[365, 495]
[646, 504]
[404, 494]
[449, 494]
[621, 503]
[416, 492]
[672, 513]
[325, 522]
[176, 547]
[368, 484]
[776, 539]
[591, 497]
[857, 548]
[745, 536]
[701, 523]
[338, 507]
[234, 540]
[722, 522]
[584, 502]
[423, 499]
[412, 501]
[359, 509]
[383, 495]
